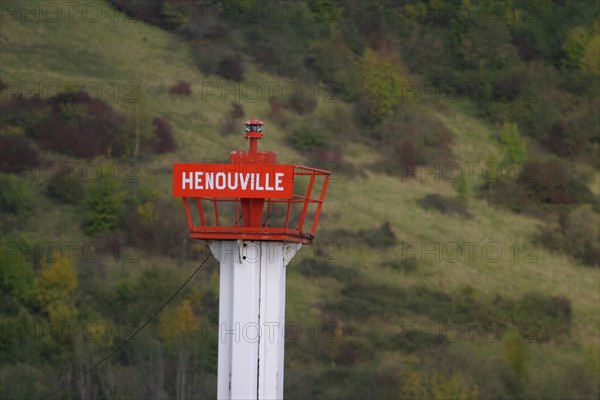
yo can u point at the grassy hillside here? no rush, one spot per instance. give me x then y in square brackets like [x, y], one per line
[361, 296]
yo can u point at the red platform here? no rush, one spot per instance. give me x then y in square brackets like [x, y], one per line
[253, 197]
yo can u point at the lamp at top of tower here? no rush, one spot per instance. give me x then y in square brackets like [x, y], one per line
[253, 125]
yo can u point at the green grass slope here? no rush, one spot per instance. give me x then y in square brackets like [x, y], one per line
[114, 52]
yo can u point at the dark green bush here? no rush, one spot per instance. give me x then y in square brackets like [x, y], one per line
[231, 67]
[66, 188]
[577, 234]
[540, 188]
[315, 268]
[380, 237]
[16, 273]
[539, 317]
[551, 314]
[152, 227]
[104, 204]
[337, 66]
[412, 136]
[308, 138]
[16, 197]
[553, 182]
[576, 132]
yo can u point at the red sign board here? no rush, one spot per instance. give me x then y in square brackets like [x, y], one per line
[236, 180]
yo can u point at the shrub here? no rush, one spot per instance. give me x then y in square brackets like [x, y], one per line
[575, 133]
[20, 115]
[152, 226]
[277, 48]
[540, 317]
[336, 66]
[104, 205]
[66, 188]
[303, 104]
[17, 276]
[81, 126]
[379, 237]
[315, 268]
[164, 133]
[514, 147]
[582, 237]
[408, 153]
[539, 188]
[308, 138]
[381, 83]
[412, 136]
[208, 57]
[181, 88]
[552, 182]
[231, 67]
[15, 197]
[147, 11]
[362, 300]
[17, 154]
[578, 234]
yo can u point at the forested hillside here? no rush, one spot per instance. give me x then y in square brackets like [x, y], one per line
[458, 252]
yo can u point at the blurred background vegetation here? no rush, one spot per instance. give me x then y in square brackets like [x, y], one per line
[99, 99]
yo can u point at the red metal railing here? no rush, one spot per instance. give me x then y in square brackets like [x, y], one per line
[288, 219]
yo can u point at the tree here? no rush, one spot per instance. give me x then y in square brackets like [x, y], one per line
[55, 287]
[104, 204]
[15, 196]
[382, 83]
[514, 147]
[575, 45]
[175, 328]
[582, 49]
[16, 273]
[590, 60]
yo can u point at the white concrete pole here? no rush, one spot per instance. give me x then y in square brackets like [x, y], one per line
[252, 317]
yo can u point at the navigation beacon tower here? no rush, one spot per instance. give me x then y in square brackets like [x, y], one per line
[255, 215]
